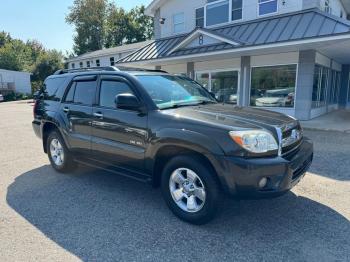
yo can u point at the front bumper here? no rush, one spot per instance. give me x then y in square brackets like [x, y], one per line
[241, 176]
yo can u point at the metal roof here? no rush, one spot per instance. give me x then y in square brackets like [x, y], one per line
[306, 24]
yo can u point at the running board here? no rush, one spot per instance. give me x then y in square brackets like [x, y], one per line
[115, 170]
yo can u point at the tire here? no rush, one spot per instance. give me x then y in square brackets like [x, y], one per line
[56, 148]
[185, 198]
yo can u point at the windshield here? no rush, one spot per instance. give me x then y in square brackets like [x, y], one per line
[169, 91]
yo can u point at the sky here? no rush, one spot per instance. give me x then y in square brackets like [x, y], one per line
[44, 20]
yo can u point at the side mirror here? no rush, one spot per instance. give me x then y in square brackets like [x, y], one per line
[127, 101]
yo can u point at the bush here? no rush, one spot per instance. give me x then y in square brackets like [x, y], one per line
[16, 96]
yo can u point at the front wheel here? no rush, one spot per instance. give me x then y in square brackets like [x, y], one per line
[58, 153]
[190, 189]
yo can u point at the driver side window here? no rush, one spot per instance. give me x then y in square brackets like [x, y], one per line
[110, 89]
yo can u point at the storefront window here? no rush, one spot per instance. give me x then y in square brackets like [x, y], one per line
[223, 84]
[273, 86]
[320, 86]
[334, 87]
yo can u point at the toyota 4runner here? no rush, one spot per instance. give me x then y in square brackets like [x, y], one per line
[170, 131]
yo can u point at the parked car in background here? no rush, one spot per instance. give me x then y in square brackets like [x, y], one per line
[1, 98]
[281, 97]
[168, 130]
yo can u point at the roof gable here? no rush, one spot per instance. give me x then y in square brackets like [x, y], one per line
[202, 37]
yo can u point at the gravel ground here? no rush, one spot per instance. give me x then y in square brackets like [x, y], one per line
[91, 215]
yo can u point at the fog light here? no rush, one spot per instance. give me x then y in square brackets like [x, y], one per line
[262, 182]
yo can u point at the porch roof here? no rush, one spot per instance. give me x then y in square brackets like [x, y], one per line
[282, 29]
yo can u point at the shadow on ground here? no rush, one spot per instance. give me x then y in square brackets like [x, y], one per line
[331, 154]
[99, 216]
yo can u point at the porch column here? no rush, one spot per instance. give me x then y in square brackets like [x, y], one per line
[303, 95]
[190, 70]
[244, 84]
[344, 86]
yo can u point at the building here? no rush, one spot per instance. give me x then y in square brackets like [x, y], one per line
[104, 57]
[290, 56]
[14, 81]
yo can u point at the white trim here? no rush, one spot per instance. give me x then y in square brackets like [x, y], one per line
[268, 14]
[295, 90]
[252, 48]
[199, 31]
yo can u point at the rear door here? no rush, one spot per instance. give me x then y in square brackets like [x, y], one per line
[77, 112]
[118, 136]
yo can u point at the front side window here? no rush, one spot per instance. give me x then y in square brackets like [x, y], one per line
[217, 12]
[172, 91]
[81, 92]
[273, 86]
[109, 90]
[200, 17]
[179, 22]
[237, 10]
[267, 7]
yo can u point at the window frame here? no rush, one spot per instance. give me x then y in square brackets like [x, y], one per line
[180, 23]
[210, 71]
[73, 83]
[116, 78]
[267, 14]
[274, 107]
[230, 10]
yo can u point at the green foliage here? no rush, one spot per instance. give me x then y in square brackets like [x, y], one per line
[100, 23]
[30, 57]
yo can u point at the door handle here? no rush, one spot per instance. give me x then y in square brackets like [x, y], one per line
[98, 115]
[66, 109]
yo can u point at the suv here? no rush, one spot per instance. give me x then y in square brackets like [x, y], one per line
[170, 131]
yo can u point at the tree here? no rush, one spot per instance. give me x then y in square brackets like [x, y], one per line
[88, 17]
[141, 27]
[117, 26]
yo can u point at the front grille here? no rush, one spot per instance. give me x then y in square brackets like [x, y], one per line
[292, 137]
[302, 169]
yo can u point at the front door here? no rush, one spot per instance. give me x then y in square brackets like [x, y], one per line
[119, 136]
[77, 113]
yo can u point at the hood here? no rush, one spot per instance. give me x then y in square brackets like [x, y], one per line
[231, 116]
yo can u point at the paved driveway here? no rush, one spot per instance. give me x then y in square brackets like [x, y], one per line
[91, 215]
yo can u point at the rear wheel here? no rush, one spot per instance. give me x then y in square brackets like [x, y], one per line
[59, 156]
[190, 189]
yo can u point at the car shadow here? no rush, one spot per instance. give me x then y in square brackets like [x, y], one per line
[105, 217]
[331, 154]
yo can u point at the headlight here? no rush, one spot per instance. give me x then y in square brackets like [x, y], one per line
[255, 141]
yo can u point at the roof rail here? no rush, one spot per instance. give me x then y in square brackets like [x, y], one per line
[105, 68]
[86, 69]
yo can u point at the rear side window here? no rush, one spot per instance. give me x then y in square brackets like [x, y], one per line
[110, 89]
[51, 87]
[82, 93]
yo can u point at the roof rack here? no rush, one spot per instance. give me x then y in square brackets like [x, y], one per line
[105, 68]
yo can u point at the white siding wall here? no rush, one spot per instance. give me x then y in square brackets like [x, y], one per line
[250, 11]
[175, 68]
[336, 5]
[21, 80]
[234, 63]
[172, 7]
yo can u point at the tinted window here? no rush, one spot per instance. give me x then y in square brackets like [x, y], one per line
[51, 86]
[70, 94]
[84, 92]
[200, 17]
[109, 90]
